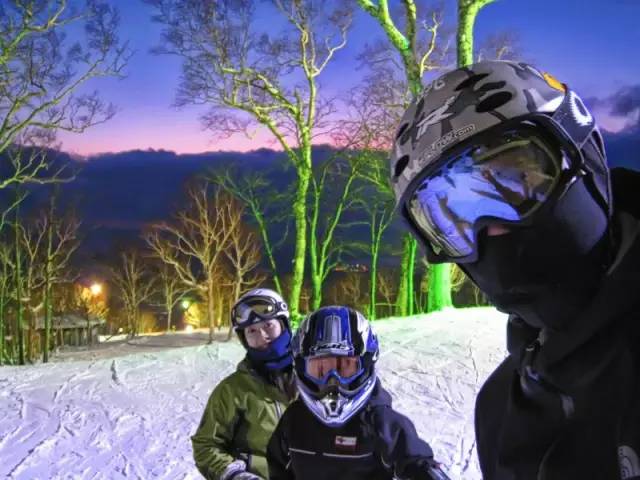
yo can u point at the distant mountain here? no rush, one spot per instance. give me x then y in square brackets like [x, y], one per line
[116, 194]
[623, 149]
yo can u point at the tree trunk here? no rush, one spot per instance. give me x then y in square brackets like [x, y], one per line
[439, 287]
[211, 311]
[2, 327]
[300, 213]
[88, 327]
[411, 291]
[18, 277]
[237, 288]
[314, 262]
[467, 12]
[407, 270]
[267, 245]
[47, 321]
[373, 280]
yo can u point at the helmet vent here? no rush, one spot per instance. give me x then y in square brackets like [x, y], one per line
[401, 164]
[403, 128]
[494, 101]
[471, 81]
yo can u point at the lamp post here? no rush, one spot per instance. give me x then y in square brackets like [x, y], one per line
[95, 289]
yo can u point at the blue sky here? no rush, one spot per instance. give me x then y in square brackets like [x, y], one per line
[589, 44]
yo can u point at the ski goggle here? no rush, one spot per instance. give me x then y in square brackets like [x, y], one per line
[256, 309]
[320, 370]
[504, 180]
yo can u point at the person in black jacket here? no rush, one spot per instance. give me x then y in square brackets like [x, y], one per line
[342, 425]
[501, 169]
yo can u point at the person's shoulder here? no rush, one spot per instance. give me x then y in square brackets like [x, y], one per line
[297, 407]
[240, 380]
[625, 186]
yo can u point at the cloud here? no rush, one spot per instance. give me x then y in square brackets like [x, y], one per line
[620, 112]
[626, 101]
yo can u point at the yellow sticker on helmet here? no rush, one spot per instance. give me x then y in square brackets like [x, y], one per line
[554, 82]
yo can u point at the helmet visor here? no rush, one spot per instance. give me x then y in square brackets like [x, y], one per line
[506, 180]
[320, 368]
[333, 373]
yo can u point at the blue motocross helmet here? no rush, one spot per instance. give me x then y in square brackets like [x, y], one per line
[335, 351]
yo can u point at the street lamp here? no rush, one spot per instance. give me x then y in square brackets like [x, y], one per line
[96, 289]
[185, 304]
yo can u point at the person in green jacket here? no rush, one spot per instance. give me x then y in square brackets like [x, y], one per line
[244, 408]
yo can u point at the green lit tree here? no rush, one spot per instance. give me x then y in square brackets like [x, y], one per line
[417, 46]
[41, 74]
[467, 12]
[250, 77]
[333, 186]
[266, 206]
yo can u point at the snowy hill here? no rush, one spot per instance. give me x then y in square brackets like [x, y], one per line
[129, 415]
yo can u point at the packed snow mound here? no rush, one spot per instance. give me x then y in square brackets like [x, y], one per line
[129, 416]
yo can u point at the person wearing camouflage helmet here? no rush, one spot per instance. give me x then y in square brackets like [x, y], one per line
[501, 169]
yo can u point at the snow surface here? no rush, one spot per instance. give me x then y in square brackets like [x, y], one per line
[127, 410]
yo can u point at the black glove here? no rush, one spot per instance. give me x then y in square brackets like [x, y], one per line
[246, 476]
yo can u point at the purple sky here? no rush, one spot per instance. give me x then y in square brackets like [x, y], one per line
[589, 44]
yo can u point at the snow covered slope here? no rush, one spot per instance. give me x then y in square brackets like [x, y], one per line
[129, 415]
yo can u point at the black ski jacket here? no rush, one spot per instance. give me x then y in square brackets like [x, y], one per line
[566, 406]
[376, 444]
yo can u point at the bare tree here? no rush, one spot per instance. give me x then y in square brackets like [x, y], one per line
[333, 185]
[136, 287]
[267, 206]
[170, 288]
[387, 288]
[48, 243]
[501, 46]
[415, 39]
[6, 257]
[243, 255]
[368, 132]
[41, 73]
[250, 77]
[195, 244]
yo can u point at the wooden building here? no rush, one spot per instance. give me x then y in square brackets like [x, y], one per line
[71, 328]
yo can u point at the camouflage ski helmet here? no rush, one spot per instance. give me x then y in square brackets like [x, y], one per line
[471, 100]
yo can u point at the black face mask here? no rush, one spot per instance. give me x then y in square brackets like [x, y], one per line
[547, 273]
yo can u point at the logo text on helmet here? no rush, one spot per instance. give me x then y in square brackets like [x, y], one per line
[440, 144]
[436, 116]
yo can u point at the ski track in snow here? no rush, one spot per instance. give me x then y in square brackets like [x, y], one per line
[122, 415]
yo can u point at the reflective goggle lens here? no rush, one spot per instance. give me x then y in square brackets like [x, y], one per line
[508, 180]
[319, 368]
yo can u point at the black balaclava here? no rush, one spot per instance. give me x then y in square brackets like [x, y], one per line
[547, 273]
